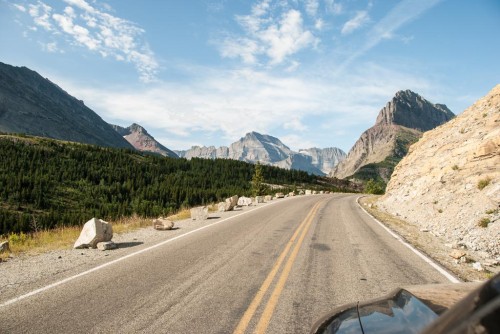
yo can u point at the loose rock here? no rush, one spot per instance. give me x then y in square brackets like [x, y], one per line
[93, 232]
[4, 247]
[162, 224]
[457, 254]
[477, 266]
[108, 245]
[199, 213]
[244, 201]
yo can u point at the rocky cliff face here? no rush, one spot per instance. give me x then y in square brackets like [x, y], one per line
[399, 124]
[325, 159]
[449, 183]
[255, 147]
[141, 140]
[33, 105]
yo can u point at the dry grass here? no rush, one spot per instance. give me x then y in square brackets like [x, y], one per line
[42, 241]
[65, 237]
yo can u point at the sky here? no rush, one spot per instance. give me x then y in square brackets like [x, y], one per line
[313, 73]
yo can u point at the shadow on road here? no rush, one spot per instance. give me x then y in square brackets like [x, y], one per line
[129, 244]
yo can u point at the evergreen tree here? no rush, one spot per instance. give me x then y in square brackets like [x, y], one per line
[258, 186]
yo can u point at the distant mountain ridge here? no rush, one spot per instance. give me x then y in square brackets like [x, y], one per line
[399, 124]
[33, 105]
[255, 147]
[141, 140]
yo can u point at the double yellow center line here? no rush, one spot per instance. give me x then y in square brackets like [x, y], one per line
[273, 299]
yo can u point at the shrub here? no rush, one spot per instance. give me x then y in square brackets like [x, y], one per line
[484, 222]
[374, 187]
[454, 167]
[16, 239]
[483, 183]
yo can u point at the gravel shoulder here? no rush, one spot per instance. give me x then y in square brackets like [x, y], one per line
[28, 272]
[429, 244]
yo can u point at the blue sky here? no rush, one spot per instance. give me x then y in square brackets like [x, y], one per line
[205, 72]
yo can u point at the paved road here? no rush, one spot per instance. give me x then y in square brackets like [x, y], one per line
[276, 269]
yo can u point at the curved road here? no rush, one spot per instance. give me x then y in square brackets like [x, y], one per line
[275, 269]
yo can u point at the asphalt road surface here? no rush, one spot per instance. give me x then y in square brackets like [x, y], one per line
[275, 269]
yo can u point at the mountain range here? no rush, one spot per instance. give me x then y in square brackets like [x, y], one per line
[31, 104]
[34, 105]
[399, 124]
[255, 147]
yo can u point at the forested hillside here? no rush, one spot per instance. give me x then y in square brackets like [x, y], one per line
[46, 183]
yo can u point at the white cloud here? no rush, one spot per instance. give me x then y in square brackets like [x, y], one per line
[40, 13]
[333, 7]
[286, 38]
[50, 47]
[98, 31]
[319, 24]
[276, 38]
[312, 7]
[359, 20]
[20, 7]
[233, 102]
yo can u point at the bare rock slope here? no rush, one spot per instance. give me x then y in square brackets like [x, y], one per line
[142, 141]
[33, 105]
[399, 124]
[449, 183]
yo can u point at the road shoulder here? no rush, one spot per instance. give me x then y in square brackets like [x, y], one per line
[425, 242]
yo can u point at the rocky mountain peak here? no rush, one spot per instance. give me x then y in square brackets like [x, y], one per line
[411, 110]
[141, 140]
[399, 124]
[137, 128]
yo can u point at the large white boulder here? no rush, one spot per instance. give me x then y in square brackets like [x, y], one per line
[163, 224]
[221, 206]
[93, 232]
[199, 213]
[244, 201]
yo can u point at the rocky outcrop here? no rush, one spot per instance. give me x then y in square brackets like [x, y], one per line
[35, 106]
[268, 150]
[94, 231]
[142, 141]
[449, 183]
[399, 124]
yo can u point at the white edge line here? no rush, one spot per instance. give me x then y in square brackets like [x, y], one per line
[427, 259]
[55, 284]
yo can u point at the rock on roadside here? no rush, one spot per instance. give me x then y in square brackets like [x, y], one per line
[93, 232]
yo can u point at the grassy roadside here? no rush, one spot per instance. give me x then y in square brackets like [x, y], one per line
[64, 237]
[425, 242]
